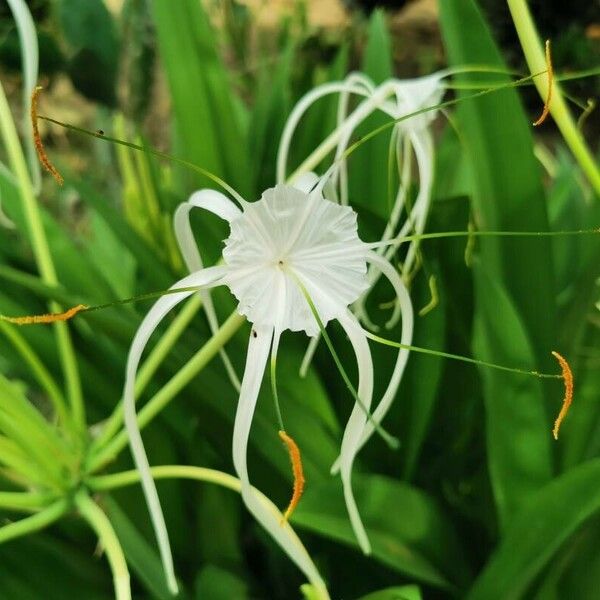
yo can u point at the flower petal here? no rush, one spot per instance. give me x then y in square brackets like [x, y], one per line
[223, 207]
[282, 533]
[351, 442]
[405, 304]
[301, 107]
[306, 182]
[205, 277]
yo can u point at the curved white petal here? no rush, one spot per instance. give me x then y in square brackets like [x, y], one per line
[406, 336]
[282, 533]
[306, 182]
[309, 355]
[351, 440]
[301, 107]
[222, 207]
[29, 59]
[423, 145]
[211, 276]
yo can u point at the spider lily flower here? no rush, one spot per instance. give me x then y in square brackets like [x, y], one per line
[396, 98]
[291, 236]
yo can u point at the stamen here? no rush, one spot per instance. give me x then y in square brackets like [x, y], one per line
[434, 297]
[47, 318]
[550, 72]
[37, 139]
[567, 376]
[299, 480]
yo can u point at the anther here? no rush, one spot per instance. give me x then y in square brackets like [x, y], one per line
[550, 74]
[567, 376]
[299, 480]
[47, 318]
[37, 139]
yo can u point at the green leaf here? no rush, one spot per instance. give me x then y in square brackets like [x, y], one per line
[535, 534]
[517, 430]
[219, 584]
[44, 566]
[421, 380]
[404, 592]
[90, 32]
[407, 530]
[141, 557]
[506, 180]
[367, 168]
[209, 130]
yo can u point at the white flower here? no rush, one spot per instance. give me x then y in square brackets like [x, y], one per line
[396, 98]
[292, 236]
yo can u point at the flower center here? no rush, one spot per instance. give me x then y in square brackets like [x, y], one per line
[290, 234]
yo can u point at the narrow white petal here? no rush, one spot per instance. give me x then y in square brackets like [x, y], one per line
[405, 303]
[151, 321]
[223, 207]
[351, 441]
[423, 145]
[29, 59]
[309, 355]
[306, 182]
[301, 107]
[282, 533]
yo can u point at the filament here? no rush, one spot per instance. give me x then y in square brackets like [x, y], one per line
[299, 480]
[550, 72]
[567, 376]
[37, 139]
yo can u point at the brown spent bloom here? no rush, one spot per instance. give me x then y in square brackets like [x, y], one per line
[39, 146]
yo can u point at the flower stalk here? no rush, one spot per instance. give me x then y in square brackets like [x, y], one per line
[536, 60]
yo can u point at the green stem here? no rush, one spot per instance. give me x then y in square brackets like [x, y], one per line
[389, 439]
[35, 522]
[99, 522]
[24, 500]
[156, 404]
[42, 255]
[119, 480]
[125, 478]
[459, 357]
[536, 60]
[114, 423]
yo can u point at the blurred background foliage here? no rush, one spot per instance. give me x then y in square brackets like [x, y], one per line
[479, 502]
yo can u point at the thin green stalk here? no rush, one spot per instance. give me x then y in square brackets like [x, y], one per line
[389, 439]
[170, 389]
[43, 257]
[536, 60]
[107, 537]
[125, 478]
[150, 366]
[148, 150]
[35, 522]
[43, 376]
[472, 234]
[24, 500]
[459, 357]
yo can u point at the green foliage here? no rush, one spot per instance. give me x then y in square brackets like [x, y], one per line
[478, 502]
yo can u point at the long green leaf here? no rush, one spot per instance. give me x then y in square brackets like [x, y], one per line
[538, 531]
